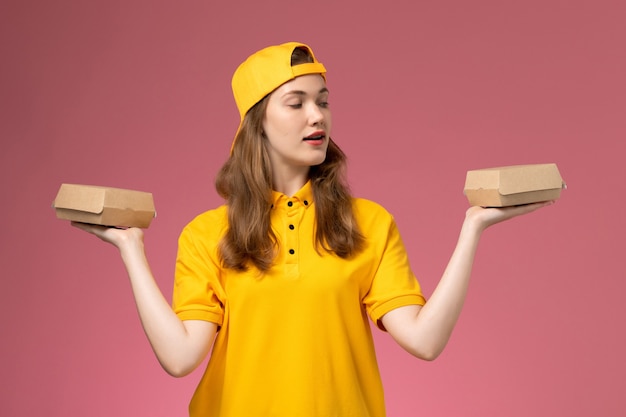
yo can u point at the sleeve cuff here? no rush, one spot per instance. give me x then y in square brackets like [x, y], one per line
[380, 310]
[216, 318]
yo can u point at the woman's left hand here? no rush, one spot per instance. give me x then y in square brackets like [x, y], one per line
[485, 217]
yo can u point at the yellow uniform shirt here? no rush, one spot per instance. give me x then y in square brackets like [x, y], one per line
[295, 341]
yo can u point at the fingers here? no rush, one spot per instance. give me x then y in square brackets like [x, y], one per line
[486, 217]
[86, 226]
[113, 235]
[529, 208]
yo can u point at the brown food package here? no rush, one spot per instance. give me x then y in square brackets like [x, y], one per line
[104, 205]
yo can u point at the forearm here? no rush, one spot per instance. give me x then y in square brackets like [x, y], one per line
[178, 350]
[435, 322]
[179, 345]
[425, 331]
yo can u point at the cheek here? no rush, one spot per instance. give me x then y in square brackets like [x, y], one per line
[277, 124]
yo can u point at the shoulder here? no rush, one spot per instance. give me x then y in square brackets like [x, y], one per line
[365, 207]
[210, 224]
[368, 214]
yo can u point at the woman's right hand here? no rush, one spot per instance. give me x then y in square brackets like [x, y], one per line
[118, 237]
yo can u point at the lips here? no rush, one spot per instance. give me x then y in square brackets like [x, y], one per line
[319, 135]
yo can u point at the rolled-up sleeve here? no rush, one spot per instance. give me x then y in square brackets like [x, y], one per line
[198, 293]
[394, 284]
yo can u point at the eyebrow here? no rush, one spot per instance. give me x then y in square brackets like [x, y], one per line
[304, 93]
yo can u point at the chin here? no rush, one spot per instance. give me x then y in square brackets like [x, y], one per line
[317, 160]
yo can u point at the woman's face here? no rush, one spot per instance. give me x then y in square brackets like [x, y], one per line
[297, 123]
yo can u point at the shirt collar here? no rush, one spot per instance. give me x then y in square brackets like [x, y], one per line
[303, 196]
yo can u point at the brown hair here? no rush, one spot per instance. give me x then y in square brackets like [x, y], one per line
[245, 182]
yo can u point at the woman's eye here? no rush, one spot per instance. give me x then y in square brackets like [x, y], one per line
[295, 106]
[323, 104]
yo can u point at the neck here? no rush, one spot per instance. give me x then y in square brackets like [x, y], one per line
[289, 183]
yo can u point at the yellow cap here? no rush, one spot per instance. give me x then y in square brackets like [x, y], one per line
[265, 71]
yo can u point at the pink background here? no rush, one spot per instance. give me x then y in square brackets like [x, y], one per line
[136, 94]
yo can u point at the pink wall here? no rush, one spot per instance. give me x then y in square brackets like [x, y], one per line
[137, 95]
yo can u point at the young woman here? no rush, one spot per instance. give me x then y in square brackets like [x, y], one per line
[280, 282]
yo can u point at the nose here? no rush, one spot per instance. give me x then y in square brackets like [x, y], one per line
[315, 114]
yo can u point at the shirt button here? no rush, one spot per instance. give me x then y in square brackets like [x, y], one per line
[291, 251]
[290, 203]
[291, 227]
[306, 203]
